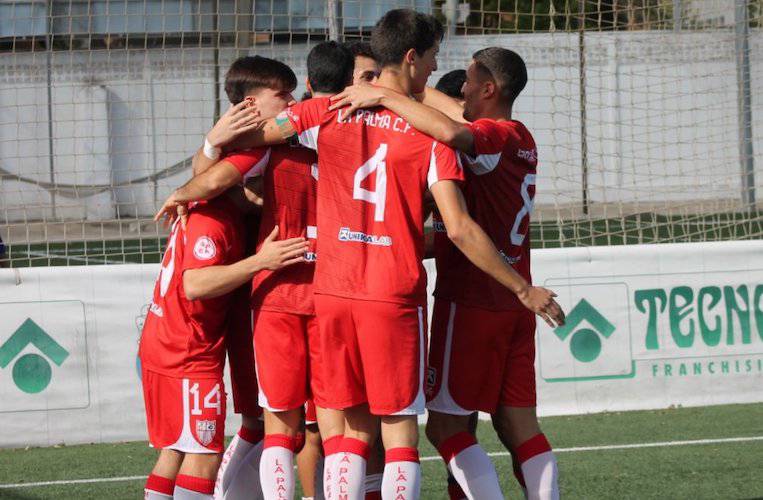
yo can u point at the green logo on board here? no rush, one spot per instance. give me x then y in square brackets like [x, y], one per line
[31, 372]
[585, 343]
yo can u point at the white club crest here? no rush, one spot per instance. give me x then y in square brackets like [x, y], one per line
[205, 430]
[204, 248]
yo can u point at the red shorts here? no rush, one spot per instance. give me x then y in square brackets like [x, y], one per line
[310, 416]
[238, 343]
[286, 346]
[480, 359]
[372, 352]
[184, 414]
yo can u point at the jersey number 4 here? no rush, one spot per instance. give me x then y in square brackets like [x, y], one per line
[378, 197]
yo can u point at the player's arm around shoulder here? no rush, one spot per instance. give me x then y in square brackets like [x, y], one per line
[299, 121]
[438, 100]
[215, 279]
[204, 186]
[423, 118]
[477, 246]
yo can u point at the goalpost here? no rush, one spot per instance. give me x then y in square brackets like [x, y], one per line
[648, 114]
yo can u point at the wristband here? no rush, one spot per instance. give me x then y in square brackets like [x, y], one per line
[210, 151]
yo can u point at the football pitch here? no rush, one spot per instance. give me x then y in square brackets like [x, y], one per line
[698, 453]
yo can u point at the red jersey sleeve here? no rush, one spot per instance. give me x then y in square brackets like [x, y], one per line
[306, 117]
[206, 243]
[250, 163]
[491, 138]
[444, 165]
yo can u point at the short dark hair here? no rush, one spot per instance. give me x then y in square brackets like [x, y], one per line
[400, 30]
[452, 83]
[329, 67]
[360, 48]
[253, 73]
[504, 66]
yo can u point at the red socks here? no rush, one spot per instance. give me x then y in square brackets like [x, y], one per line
[195, 484]
[158, 487]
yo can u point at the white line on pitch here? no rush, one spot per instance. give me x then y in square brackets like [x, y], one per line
[659, 444]
[73, 481]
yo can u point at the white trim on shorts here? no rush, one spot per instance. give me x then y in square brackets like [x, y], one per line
[443, 402]
[419, 402]
[187, 442]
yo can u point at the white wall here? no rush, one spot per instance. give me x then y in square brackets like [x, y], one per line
[661, 122]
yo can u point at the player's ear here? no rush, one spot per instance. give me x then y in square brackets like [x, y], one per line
[309, 87]
[489, 89]
[410, 56]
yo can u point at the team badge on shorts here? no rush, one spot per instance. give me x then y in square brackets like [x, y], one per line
[204, 248]
[205, 430]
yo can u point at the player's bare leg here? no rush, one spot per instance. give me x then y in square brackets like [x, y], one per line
[402, 471]
[375, 470]
[161, 483]
[196, 478]
[239, 474]
[518, 430]
[331, 426]
[308, 461]
[277, 462]
[465, 458]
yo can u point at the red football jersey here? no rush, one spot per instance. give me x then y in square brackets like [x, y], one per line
[374, 169]
[289, 186]
[499, 192]
[180, 336]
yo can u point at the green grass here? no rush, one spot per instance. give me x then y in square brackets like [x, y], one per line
[630, 230]
[725, 470]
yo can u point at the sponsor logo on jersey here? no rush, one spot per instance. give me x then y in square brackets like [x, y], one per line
[204, 248]
[439, 226]
[370, 239]
[311, 256]
[205, 430]
[530, 155]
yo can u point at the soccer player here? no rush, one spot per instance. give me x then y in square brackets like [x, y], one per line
[452, 84]
[482, 336]
[366, 68]
[182, 345]
[268, 84]
[285, 328]
[369, 282]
